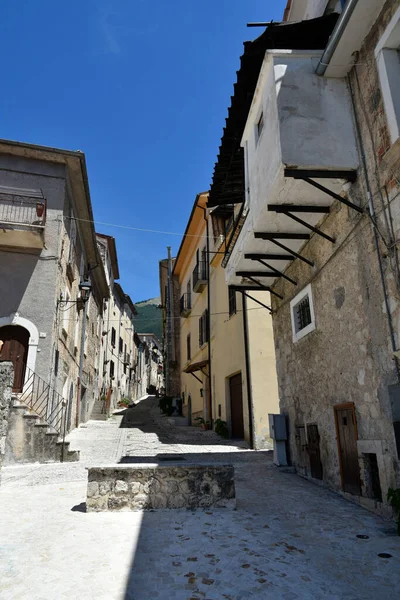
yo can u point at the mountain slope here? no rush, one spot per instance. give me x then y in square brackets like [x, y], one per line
[148, 319]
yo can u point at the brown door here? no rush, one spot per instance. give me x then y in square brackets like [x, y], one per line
[15, 348]
[235, 388]
[346, 431]
[314, 454]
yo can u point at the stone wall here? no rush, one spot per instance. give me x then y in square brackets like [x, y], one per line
[6, 380]
[136, 487]
[349, 356]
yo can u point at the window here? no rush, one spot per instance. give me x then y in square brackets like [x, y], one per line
[72, 241]
[76, 335]
[111, 368]
[232, 301]
[121, 345]
[188, 348]
[302, 314]
[113, 337]
[387, 55]
[260, 125]
[203, 328]
[65, 306]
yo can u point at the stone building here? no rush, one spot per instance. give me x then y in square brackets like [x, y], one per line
[225, 337]
[118, 349]
[150, 370]
[49, 324]
[169, 295]
[316, 192]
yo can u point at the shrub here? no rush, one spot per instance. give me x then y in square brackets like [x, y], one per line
[221, 428]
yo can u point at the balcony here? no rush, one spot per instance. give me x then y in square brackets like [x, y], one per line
[301, 150]
[22, 219]
[185, 305]
[200, 276]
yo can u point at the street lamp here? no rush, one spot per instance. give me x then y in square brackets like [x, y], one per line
[85, 288]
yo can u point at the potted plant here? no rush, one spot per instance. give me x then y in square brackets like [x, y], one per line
[39, 209]
[203, 423]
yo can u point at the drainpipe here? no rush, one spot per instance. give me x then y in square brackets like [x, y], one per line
[248, 373]
[336, 36]
[210, 416]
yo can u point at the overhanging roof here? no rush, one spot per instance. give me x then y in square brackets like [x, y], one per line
[198, 366]
[112, 249]
[228, 179]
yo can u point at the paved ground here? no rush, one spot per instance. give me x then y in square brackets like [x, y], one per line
[287, 539]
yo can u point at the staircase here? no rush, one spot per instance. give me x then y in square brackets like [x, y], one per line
[99, 411]
[36, 425]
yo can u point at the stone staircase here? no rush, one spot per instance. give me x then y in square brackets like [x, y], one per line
[99, 411]
[30, 439]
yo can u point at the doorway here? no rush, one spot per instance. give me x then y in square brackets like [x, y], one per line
[314, 454]
[346, 433]
[14, 347]
[236, 397]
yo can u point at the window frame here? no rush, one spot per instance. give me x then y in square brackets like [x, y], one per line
[387, 55]
[260, 123]
[298, 335]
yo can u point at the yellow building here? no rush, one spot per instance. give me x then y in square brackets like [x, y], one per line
[218, 341]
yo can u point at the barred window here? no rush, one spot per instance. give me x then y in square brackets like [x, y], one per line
[302, 314]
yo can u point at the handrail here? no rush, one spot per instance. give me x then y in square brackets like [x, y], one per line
[45, 402]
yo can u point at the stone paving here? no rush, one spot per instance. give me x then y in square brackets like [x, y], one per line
[287, 539]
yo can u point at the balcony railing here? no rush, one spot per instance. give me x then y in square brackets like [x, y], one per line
[185, 304]
[200, 276]
[20, 207]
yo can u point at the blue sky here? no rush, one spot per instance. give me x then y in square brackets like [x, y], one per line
[142, 87]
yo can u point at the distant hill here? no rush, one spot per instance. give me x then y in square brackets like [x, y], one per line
[148, 319]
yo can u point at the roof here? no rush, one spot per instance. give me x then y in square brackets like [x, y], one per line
[187, 239]
[124, 297]
[112, 250]
[198, 366]
[75, 163]
[228, 179]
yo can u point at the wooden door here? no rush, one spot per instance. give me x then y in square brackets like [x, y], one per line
[235, 388]
[346, 431]
[15, 349]
[313, 450]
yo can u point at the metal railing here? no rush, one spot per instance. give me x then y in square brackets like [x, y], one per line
[185, 303]
[22, 207]
[45, 402]
[200, 273]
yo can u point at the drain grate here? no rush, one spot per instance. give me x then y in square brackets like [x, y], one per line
[384, 555]
[362, 536]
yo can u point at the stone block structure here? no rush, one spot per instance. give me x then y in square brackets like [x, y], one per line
[151, 486]
[6, 379]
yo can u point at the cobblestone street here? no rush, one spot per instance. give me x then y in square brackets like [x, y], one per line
[287, 539]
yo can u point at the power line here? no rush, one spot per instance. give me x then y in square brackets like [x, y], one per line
[131, 228]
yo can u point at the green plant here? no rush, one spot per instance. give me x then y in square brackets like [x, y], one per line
[124, 402]
[393, 497]
[165, 404]
[221, 428]
[203, 423]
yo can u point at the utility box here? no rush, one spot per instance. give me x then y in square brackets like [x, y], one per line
[278, 432]
[277, 427]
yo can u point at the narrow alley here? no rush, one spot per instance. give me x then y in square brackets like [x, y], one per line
[288, 538]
